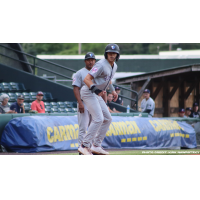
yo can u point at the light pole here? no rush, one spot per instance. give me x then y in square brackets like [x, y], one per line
[79, 48]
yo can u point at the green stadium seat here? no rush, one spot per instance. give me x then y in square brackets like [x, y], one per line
[47, 105]
[26, 96]
[32, 96]
[6, 87]
[61, 104]
[47, 96]
[68, 110]
[61, 110]
[21, 87]
[47, 110]
[1, 87]
[53, 105]
[12, 96]
[54, 110]
[68, 104]
[74, 109]
[13, 86]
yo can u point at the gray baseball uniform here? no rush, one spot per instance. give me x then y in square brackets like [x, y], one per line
[101, 117]
[84, 119]
[148, 105]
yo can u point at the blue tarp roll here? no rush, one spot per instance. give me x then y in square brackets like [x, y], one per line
[50, 133]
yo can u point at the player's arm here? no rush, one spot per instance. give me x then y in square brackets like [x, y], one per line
[88, 81]
[112, 89]
[78, 98]
[148, 109]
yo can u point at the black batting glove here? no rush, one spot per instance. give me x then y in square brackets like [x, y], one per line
[95, 90]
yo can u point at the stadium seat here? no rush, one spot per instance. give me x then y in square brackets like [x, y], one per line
[32, 96]
[21, 87]
[47, 96]
[53, 105]
[54, 110]
[61, 110]
[6, 87]
[47, 110]
[68, 104]
[74, 104]
[61, 104]
[68, 110]
[27, 107]
[1, 88]
[9, 104]
[13, 86]
[74, 109]
[26, 96]
[47, 105]
[12, 96]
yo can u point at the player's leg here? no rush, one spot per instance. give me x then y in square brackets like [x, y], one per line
[95, 110]
[83, 122]
[103, 129]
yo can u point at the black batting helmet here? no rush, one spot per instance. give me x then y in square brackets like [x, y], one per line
[90, 55]
[112, 48]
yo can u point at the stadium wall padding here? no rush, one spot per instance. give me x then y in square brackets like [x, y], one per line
[51, 133]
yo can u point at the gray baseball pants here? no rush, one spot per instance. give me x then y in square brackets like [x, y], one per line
[101, 118]
[84, 120]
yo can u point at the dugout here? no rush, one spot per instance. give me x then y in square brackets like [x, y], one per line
[171, 89]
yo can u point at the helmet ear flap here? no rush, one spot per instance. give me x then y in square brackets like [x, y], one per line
[105, 55]
[117, 58]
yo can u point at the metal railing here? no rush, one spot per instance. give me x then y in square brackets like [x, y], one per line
[33, 62]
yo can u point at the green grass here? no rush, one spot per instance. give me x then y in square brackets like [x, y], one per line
[149, 152]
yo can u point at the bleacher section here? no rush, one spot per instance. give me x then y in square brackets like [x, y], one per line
[51, 106]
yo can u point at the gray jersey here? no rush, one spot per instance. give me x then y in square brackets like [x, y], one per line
[79, 77]
[148, 105]
[103, 74]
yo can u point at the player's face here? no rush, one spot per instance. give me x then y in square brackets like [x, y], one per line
[196, 108]
[39, 97]
[111, 56]
[146, 95]
[181, 114]
[110, 97]
[89, 63]
[187, 112]
[117, 91]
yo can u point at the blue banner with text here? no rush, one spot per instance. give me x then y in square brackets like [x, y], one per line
[57, 133]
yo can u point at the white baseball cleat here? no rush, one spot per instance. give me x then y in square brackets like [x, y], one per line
[84, 150]
[99, 150]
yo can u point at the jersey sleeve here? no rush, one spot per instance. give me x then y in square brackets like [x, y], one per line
[111, 88]
[96, 70]
[77, 80]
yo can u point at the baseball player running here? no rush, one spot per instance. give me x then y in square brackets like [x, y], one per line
[96, 82]
[84, 117]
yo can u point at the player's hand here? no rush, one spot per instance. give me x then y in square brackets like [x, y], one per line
[115, 96]
[81, 107]
[102, 93]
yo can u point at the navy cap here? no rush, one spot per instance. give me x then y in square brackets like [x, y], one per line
[195, 104]
[90, 55]
[146, 91]
[117, 88]
[181, 110]
[189, 109]
[20, 96]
